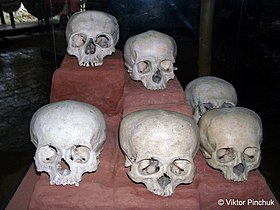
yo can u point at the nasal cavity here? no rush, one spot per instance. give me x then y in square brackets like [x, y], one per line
[157, 76]
[238, 169]
[164, 180]
[64, 168]
[90, 47]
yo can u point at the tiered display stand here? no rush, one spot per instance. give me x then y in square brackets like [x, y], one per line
[109, 88]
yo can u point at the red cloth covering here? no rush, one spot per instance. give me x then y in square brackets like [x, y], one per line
[101, 86]
[135, 94]
[110, 188]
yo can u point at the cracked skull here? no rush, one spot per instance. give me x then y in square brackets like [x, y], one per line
[206, 93]
[69, 137]
[91, 35]
[159, 147]
[149, 57]
[230, 141]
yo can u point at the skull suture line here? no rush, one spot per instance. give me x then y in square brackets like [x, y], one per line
[206, 93]
[159, 146]
[230, 141]
[91, 35]
[67, 132]
[149, 57]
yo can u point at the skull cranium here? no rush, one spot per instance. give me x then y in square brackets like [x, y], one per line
[206, 93]
[230, 141]
[67, 133]
[159, 146]
[149, 57]
[91, 35]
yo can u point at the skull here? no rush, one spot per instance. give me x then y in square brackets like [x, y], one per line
[67, 133]
[206, 93]
[91, 35]
[149, 57]
[230, 141]
[159, 146]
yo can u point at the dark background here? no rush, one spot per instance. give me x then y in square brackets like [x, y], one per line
[246, 52]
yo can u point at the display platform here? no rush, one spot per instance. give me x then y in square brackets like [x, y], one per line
[101, 86]
[109, 187]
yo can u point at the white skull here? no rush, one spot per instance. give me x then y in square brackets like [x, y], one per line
[67, 132]
[91, 35]
[230, 141]
[206, 93]
[149, 57]
[159, 146]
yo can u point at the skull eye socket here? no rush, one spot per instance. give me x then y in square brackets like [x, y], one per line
[227, 105]
[48, 154]
[80, 154]
[225, 155]
[180, 166]
[166, 65]
[205, 107]
[79, 40]
[144, 67]
[251, 154]
[103, 41]
[148, 166]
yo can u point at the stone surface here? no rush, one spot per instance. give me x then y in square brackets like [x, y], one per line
[100, 86]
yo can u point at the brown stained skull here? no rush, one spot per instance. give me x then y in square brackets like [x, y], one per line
[230, 141]
[159, 147]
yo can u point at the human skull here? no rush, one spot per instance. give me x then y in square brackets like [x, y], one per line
[206, 93]
[149, 57]
[159, 146]
[67, 132]
[230, 141]
[91, 35]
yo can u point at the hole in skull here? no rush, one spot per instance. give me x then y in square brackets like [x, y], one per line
[180, 166]
[148, 166]
[164, 180]
[102, 41]
[78, 40]
[157, 77]
[63, 167]
[238, 169]
[80, 154]
[48, 153]
[251, 154]
[90, 48]
[144, 67]
[166, 65]
[225, 155]
[205, 107]
[227, 105]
